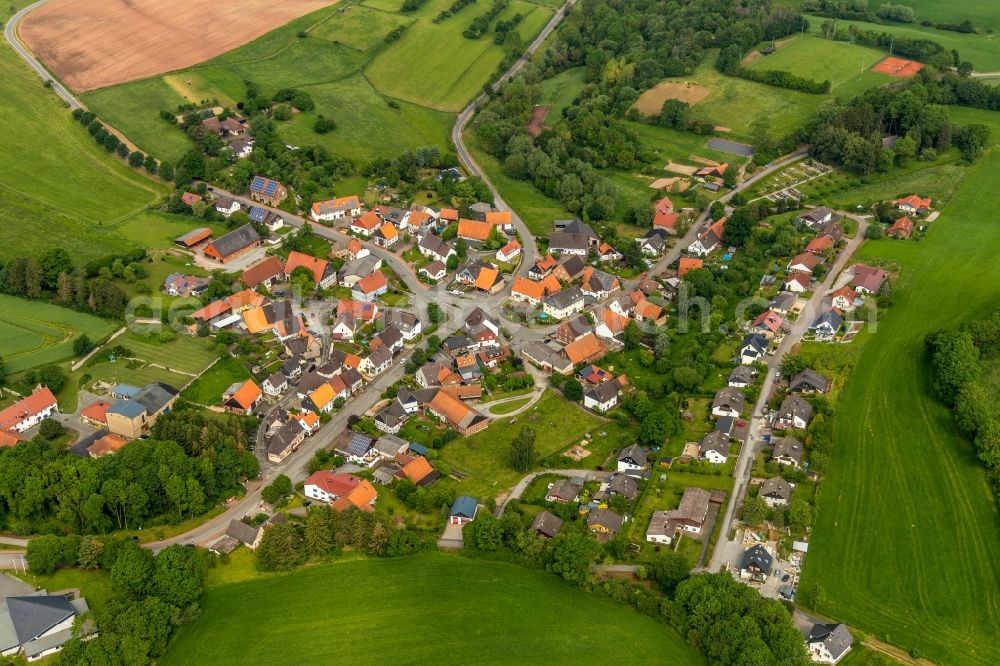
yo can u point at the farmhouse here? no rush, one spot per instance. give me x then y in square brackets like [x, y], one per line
[265, 272]
[570, 268]
[106, 445]
[573, 329]
[234, 244]
[465, 420]
[561, 242]
[267, 191]
[913, 204]
[474, 231]
[30, 411]
[335, 209]
[342, 491]
[135, 416]
[546, 357]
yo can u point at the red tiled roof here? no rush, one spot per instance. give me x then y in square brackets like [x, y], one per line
[299, 260]
[372, 283]
[262, 270]
[473, 229]
[212, 310]
[530, 288]
[96, 411]
[39, 400]
[586, 347]
[247, 394]
[190, 198]
[369, 221]
[688, 264]
[914, 201]
[500, 217]
[666, 220]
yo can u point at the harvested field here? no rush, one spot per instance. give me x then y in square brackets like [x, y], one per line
[651, 101]
[669, 184]
[898, 67]
[538, 116]
[91, 44]
[685, 169]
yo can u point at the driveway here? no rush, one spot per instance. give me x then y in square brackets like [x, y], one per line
[451, 538]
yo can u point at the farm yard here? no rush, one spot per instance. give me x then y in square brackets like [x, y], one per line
[519, 614]
[386, 97]
[91, 44]
[34, 334]
[870, 563]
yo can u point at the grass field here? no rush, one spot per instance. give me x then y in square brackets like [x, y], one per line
[906, 534]
[208, 388]
[512, 406]
[34, 334]
[559, 92]
[456, 611]
[845, 66]
[57, 183]
[557, 424]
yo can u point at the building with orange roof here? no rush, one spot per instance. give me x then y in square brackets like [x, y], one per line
[664, 205]
[542, 267]
[357, 309]
[449, 214]
[649, 312]
[362, 498]
[309, 420]
[335, 209]
[110, 443]
[242, 398]
[416, 471]
[366, 224]
[330, 487]
[256, 321]
[612, 324]
[489, 280]
[462, 418]
[551, 284]
[386, 236]
[323, 272]
[689, 264]
[9, 438]
[321, 400]
[585, 350]
[821, 244]
[474, 230]
[666, 221]
[355, 250]
[501, 219]
[710, 239]
[901, 228]
[96, 413]
[767, 323]
[194, 237]
[527, 291]
[370, 287]
[212, 310]
[465, 391]
[913, 204]
[265, 272]
[244, 300]
[509, 252]
[29, 411]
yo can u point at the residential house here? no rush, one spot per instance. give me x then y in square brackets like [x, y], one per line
[797, 282]
[561, 242]
[135, 416]
[787, 451]
[406, 323]
[418, 471]
[573, 329]
[606, 252]
[612, 325]
[728, 401]
[828, 643]
[867, 279]
[542, 267]
[390, 337]
[563, 304]
[783, 303]
[689, 516]
[814, 218]
[434, 271]
[391, 418]
[564, 491]
[604, 396]
[95, 414]
[228, 127]
[365, 225]
[547, 358]
[527, 291]
[901, 228]
[509, 252]
[370, 287]
[463, 510]
[709, 240]
[585, 350]
[820, 244]
[775, 491]
[435, 248]
[827, 324]
[666, 221]
[265, 272]
[386, 236]
[689, 264]
[355, 250]
[913, 205]
[275, 384]
[653, 242]
[474, 231]
[714, 447]
[752, 349]
[648, 312]
[767, 323]
[226, 206]
[288, 437]
[597, 284]
[267, 191]
[355, 270]
[632, 458]
[234, 244]
[323, 272]
[29, 411]
[355, 447]
[462, 418]
[241, 149]
[377, 362]
[756, 563]
[804, 263]
[793, 413]
[624, 485]
[177, 284]
[570, 268]
[844, 298]
[343, 491]
[742, 376]
[605, 523]
[242, 397]
[39, 624]
[546, 525]
[808, 381]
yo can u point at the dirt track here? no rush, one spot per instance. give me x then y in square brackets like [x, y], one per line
[91, 44]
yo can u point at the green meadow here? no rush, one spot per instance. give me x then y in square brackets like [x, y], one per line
[33, 334]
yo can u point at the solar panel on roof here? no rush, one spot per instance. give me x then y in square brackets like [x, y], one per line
[257, 183]
[257, 214]
[270, 188]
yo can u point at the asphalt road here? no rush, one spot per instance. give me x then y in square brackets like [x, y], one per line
[10, 33]
[726, 548]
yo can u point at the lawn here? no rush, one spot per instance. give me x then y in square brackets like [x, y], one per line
[435, 66]
[360, 28]
[900, 479]
[508, 407]
[58, 185]
[184, 353]
[34, 334]
[557, 424]
[208, 388]
[558, 92]
[94, 585]
[843, 65]
[457, 611]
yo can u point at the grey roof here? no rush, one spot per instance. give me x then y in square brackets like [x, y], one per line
[742, 373]
[574, 265]
[625, 485]
[33, 615]
[787, 447]
[561, 240]
[432, 243]
[381, 356]
[125, 389]
[277, 379]
[811, 379]
[603, 392]
[816, 215]
[783, 300]
[391, 415]
[600, 281]
[565, 298]
[284, 438]
[693, 507]
[236, 240]
[359, 444]
[390, 445]
[729, 397]
[715, 441]
[605, 517]
[155, 396]
[464, 507]
[829, 318]
[547, 523]
[564, 490]
[755, 340]
[776, 487]
[635, 453]
[478, 317]
[758, 557]
[579, 325]
[351, 377]
[725, 425]
[390, 335]
[242, 532]
[578, 227]
[795, 406]
[127, 408]
[836, 637]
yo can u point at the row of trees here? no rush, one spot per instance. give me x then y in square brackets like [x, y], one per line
[44, 488]
[53, 277]
[152, 594]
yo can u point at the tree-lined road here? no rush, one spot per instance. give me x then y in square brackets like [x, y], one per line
[10, 33]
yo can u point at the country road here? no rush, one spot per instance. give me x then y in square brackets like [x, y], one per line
[10, 33]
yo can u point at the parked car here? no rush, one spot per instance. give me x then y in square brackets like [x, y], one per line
[784, 579]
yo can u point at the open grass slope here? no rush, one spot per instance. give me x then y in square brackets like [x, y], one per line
[845, 66]
[907, 531]
[431, 608]
[57, 183]
[33, 334]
